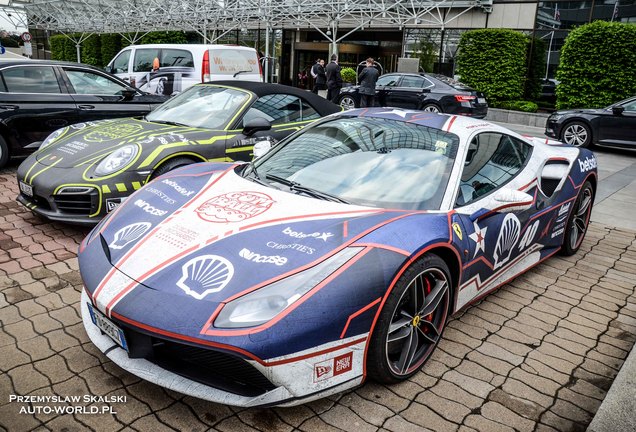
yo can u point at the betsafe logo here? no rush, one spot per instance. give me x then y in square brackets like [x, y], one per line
[588, 164]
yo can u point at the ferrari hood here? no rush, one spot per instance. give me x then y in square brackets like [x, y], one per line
[86, 142]
[209, 237]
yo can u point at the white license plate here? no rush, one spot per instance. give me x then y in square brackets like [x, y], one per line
[481, 100]
[108, 327]
[26, 189]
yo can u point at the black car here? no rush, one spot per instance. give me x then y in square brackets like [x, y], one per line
[38, 97]
[613, 126]
[427, 92]
[84, 171]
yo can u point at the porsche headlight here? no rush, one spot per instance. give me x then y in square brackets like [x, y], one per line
[265, 303]
[53, 137]
[117, 160]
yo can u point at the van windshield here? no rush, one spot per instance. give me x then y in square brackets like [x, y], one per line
[201, 106]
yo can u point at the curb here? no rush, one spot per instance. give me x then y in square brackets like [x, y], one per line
[517, 117]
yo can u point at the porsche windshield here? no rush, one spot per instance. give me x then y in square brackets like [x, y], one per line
[204, 106]
[367, 161]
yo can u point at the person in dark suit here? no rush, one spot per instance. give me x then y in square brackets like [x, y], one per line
[334, 79]
[367, 78]
[320, 78]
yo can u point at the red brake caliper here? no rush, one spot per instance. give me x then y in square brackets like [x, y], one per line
[428, 290]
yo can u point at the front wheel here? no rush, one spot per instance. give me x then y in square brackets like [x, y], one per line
[577, 134]
[411, 322]
[347, 102]
[578, 221]
[170, 165]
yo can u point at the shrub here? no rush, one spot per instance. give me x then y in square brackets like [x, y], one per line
[111, 45]
[493, 61]
[348, 75]
[92, 51]
[598, 65]
[9, 42]
[174, 37]
[516, 105]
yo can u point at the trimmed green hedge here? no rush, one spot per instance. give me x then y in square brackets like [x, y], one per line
[494, 61]
[92, 51]
[597, 66]
[517, 105]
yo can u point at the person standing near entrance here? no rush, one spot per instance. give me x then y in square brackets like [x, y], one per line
[367, 78]
[334, 79]
[320, 78]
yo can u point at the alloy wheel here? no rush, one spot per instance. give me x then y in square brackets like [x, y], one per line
[431, 108]
[581, 218]
[576, 134]
[347, 102]
[417, 321]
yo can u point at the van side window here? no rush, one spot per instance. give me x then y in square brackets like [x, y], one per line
[120, 64]
[31, 79]
[276, 108]
[176, 57]
[144, 58]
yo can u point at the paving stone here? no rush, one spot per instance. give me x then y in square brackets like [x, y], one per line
[444, 406]
[522, 390]
[418, 414]
[179, 417]
[372, 412]
[26, 378]
[499, 413]
[474, 386]
[151, 422]
[399, 424]
[313, 424]
[344, 418]
[523, 407]
[481, 423]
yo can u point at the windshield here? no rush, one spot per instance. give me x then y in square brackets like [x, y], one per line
[201, 106]
[368, 161]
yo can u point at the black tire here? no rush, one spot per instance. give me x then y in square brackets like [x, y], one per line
[577, 133]
[348, 102]
[404, 320]
[170, 165]
[431, 107]
[4, 152]
[578, 221]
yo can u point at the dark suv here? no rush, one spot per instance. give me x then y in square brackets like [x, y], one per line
[38, 97]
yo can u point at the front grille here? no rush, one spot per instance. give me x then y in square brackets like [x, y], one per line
[84, 203]
[39, 201]
[216, 369]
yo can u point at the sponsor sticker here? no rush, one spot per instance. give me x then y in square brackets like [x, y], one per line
[557, 232]
[108, 132]
[205, 275]
[234, 207]
[292, 246]
[458, 230]
[154, 211]
[507, 239]
[73, 147]
[113, 203]
[265, 259]
[129, 234]
[165, 198]
[587, 164]
[333, 367]
[176, 186]
[324, 236]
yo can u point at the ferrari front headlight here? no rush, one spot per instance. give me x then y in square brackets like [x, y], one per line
[117, 160]
[263, 304]
[53, 137]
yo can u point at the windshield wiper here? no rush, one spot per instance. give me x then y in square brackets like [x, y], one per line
[297, 187]
[167, 122]
[252, 174]
[240, 72]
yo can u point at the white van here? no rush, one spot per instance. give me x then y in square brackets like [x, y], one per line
[171, 68]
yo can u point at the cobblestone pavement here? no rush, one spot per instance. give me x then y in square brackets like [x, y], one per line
[537, 355]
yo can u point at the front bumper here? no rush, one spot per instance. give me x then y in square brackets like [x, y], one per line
[292, 381]
[552, 129]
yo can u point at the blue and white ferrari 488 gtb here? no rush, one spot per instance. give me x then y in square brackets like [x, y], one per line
[335, 257]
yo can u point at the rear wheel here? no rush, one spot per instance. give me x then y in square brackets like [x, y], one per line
[431, 107]
[578, 221]
[4, 152]
[577, 134]
[347, 102]
[170, 165]
[411, 322]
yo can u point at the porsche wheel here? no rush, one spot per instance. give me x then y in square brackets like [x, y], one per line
[411, 322]
[347, 102]
[577, 134]
[170, 165]
[430, 107]
[578, 221]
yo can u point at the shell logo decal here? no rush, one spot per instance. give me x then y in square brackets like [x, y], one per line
[205, 275]
[115, 131]
[508, 238]
[234, 206]
[129, 234]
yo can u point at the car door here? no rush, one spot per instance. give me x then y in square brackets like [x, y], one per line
[498, 216]
[409, 92]
[619, 128]
[384, 86]
[35, 102]
[98, 96]
[283, 111]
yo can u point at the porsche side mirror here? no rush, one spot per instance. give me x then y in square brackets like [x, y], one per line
[254, 125]
[618, 110]
[508, 200]
[128, 94]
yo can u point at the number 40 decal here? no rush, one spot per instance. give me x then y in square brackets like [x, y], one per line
[528, 236]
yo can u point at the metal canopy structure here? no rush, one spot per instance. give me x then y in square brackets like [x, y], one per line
[212, 18]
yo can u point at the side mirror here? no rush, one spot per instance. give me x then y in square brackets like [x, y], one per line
[108, 69]
[618, 110]
[254, 125]
[128, 94]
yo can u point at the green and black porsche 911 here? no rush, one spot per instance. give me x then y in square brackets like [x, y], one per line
[84, 171]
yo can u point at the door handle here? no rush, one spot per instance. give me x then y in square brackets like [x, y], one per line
[86, 107]
[9, 107]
